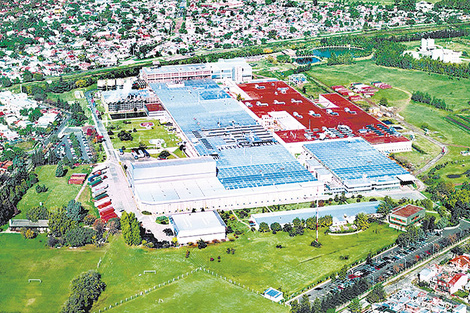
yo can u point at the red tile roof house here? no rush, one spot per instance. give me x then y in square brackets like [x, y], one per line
[406, 215]
[461, 262]
[450, 284]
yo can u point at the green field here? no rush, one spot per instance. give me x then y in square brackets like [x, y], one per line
[453, 91]
[291, 268]
[201, 292]
[142, 135]
[419, 158]
[59, 191]
[459, 168]
[23, 259]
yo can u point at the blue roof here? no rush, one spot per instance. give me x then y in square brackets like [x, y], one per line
[336, 211]
[246, 154]
[355, 159]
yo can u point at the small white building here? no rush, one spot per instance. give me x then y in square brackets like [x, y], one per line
[191, 227]
[273, 294]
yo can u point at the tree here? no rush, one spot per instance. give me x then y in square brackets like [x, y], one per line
[383, 101]
[27, 76]
[114, 225]
[386, 206]
[85, 289]
[98, 226]
[343, 272]
[59, 172]
[311, 223]
[130, 229]
[361, 221]
[28, 233]
[377, 294]
[60, 223]
[201, 244]
[263, 227]
[79, 236]
[75, 211]
[275, 227]
[37, 213]
[355, 306]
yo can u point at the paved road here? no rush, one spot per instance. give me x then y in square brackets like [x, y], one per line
[119, 189]
[390, 258]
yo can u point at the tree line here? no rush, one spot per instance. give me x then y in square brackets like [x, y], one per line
[424, 97]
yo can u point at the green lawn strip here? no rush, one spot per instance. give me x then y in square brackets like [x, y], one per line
[59, 192]
[86, 200]
[23, 259]
[142, 135]
[256, 255]
[123, 270]
[201, 292]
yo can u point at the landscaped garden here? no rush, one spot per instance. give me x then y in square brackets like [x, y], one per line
[141, 134]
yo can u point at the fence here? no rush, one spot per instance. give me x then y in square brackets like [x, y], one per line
[170, 281]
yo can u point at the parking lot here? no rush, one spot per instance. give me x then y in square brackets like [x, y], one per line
[65, 148]
[386, 264]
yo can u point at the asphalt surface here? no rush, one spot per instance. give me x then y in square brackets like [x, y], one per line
[383, 264]
[119, 190]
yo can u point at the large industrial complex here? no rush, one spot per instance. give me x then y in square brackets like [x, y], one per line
[273, 147]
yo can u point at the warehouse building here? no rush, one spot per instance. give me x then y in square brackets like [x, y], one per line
[192, 227]
[355, 164]
[295, 120]
[234, 162]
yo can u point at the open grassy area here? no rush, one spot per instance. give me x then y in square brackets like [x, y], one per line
[452, 90]
[201, 293]
[69, 96]
[291, 268]
[419, 157]
[435, 121]
[294, 266]
[23, 259]
[459, 168]
[59, 192]
[86, 200]
[142, 134]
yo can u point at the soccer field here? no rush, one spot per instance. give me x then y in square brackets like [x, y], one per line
[256, 263]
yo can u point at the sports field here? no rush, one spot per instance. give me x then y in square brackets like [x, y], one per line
[291, 268]
[202, 293]
[59, 192]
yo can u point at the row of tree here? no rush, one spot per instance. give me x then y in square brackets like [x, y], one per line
[424, 97]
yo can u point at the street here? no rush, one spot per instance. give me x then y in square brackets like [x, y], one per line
[119, 190]
[385, 263]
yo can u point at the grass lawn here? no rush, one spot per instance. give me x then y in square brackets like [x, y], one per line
[142, 135]
[294, 266]
[86, 200]
[420, 158]
[453, 91]
[59, 191]
[433, 119]
[257, 263]
[69, 96]
[454, 169]
[23, 259]
[201, 292]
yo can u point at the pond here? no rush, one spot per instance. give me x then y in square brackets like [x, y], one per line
[323, 53]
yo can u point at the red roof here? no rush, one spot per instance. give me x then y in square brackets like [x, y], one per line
[455, 279]
[461, 260]
[407, 210]
[278, 96]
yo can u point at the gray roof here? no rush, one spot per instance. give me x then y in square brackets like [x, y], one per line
[28, 223]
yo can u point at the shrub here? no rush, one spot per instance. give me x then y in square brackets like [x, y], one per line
[89, 220]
